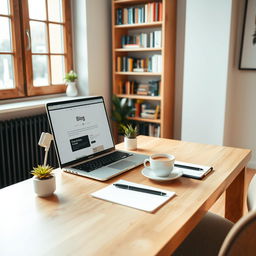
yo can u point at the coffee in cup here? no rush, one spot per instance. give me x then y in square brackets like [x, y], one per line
[160, 164]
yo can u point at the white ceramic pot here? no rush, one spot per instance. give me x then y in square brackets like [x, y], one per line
[44, 188]
[71, 90]
[130, 144]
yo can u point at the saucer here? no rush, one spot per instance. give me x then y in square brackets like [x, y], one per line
[176, 173]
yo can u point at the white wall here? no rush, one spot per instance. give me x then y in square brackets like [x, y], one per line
[240, 130]
[80, 48]
[92, 47]
[215, 91]
[180, 47]
[207, 35]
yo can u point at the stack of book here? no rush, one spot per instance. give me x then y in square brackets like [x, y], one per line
[143, 89]
[150, 113]
[150, 12]
[148, 64]
[143, 40]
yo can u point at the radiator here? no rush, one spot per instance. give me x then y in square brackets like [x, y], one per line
[19, 150]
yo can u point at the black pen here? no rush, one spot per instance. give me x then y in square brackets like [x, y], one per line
[144, 190]
[189, 167]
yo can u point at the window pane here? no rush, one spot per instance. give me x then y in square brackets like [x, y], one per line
[55, 10]
[56, 38]
[4, 7]
[5, 35]
[37, 9]
[57, 64]
[40, 70]
[38, 37]
[6, 71]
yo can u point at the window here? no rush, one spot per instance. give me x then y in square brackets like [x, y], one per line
[35, 47]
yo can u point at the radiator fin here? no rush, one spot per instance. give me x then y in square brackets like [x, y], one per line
[19, 148]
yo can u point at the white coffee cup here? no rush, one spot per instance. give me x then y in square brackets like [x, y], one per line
[160, 164]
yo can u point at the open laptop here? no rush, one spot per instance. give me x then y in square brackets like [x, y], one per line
[84, 142]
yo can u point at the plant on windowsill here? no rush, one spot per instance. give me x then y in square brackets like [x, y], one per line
[130, 136]
[44, 180]
[70, 80]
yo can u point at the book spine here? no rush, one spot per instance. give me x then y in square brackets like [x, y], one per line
[159, 64]
[146, 13]
[130, 64]
[136, 11]
[154, 11]
[137, 109]
[119, 64]
[125, 18]
[160, 11]
[119, 16]
[157, 12]
[124, 60]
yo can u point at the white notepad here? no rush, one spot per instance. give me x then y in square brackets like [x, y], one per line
[139, 200]
[196, 174]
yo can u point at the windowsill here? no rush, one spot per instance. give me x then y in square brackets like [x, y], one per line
[9, 106]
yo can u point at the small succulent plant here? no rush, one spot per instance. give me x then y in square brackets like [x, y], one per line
[42, 172]
[130, 131]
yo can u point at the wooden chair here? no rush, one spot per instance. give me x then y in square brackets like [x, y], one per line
[241, 240]
[215, 235]
[251, 196]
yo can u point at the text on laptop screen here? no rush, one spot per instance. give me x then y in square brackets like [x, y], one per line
[81, 129]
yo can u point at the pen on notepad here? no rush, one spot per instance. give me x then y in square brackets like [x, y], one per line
[189, 167]
[143, 190]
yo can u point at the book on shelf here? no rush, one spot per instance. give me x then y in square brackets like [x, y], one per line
[132, 64]
[149, 129]
[139, 70]
[151, 39]
[132, 87]
[147, 13]
[118, 64]
[147, 115]
[131, 46]
[126, 87]
[157, 112]
[142, 89]
[137, 109]
[150, 112]
[154, 87]
[154, 130]
[119, 16]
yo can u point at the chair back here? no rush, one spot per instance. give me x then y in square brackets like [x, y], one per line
[251, 196]
[241, 240]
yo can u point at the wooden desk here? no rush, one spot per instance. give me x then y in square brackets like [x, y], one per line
[73, 223]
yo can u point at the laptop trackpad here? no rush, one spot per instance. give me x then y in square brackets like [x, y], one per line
[121, 165]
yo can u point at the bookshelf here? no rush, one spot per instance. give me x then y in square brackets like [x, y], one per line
[143, 53]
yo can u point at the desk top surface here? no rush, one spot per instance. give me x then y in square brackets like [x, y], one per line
[71, 222]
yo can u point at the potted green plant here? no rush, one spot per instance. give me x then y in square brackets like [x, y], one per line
[120, 111]
[130, 136]
[44, 180]
[70, 80]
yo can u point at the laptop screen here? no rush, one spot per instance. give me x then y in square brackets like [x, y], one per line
[81, 129]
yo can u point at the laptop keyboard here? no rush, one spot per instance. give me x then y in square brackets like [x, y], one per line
[102, 161]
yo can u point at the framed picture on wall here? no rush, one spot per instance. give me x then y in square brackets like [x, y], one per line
[248, 46]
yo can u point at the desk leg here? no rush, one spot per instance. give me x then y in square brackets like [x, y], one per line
[234, 204]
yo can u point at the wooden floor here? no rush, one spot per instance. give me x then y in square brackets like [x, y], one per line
[218, 207]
